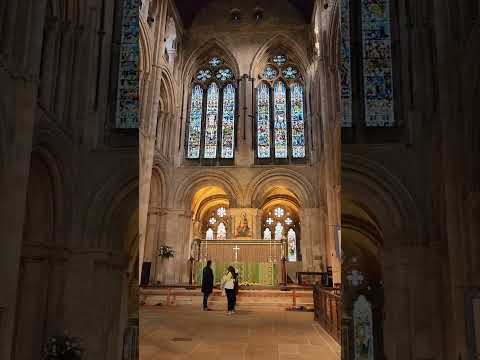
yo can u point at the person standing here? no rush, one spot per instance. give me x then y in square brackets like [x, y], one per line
[207, 284]
[228, 284]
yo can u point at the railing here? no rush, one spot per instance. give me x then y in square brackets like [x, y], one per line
[328, 310]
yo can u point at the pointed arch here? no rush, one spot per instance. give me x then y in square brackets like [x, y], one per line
[200, 54]
[279, 43]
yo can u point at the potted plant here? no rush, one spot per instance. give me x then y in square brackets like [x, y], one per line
[166, 252]
[63, 347]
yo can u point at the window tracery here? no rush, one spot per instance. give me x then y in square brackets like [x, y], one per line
[216, 224]
[280, 122]
[281, 224]
[212, 112]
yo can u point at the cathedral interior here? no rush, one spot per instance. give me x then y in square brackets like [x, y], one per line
[333, 142]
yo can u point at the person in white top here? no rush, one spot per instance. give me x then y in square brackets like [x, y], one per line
[229, 285]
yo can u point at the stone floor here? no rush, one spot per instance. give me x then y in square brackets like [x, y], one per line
[185, 332]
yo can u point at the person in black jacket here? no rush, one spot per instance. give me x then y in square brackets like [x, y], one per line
[207, 284]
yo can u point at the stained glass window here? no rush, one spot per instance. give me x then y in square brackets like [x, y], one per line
[221, 231]
[195, 124]
[345, 63]
[297, 122]
[279, 59]
[280, 120]
[278, 231]
[209, 234]
[263, 121]
[279, 212]
[228, 122]
[204, 75]
[211, 126]
[128, 91]
[221, 212]
[213, 88]
[215, 61]
[377, 63]
[292, 245]
[287, 118]
[224, 74]
[290, 72]
[270, 73]
[267, 234]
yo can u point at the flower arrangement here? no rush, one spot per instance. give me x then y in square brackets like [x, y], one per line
[166, 252]
[63, 347]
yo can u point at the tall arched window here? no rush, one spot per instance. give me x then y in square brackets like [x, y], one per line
[211, 124]
[280, 122]
[375, 78]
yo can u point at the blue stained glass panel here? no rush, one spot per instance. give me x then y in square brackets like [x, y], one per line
[345, 64]
[263, 121]
[224, 74]
[204, 75]
[377, 63]
[270, 73]
[215, 61]
[127, 101]
[297, 121]
[211, 123]
[228, 122]
[290, 72]
[195, 123]
[279, 59]
[280, 120]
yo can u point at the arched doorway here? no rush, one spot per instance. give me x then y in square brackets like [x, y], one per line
[362, 283]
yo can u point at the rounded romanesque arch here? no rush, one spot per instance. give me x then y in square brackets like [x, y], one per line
[158, 188]
[370, 184]
[96, 224]
[183, 196]
[277, 180]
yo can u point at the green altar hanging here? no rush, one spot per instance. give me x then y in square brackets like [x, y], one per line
[259, 273]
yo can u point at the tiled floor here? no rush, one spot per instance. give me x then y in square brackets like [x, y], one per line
[185, 332]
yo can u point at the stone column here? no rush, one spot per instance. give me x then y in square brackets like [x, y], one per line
[19, 72]
[175, 231]
[147, 132]
[313, 236]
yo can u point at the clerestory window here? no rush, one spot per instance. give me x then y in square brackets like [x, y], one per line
[212, 113]
[280, 112]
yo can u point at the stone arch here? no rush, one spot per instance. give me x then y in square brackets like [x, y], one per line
[145, 61]
[260, 187]
[200, 54]
[167, 100]
[373, 187]
[158, 187]
[370, 184]
[42, 252]
[280, 42]
[183, 195]
[115, 190]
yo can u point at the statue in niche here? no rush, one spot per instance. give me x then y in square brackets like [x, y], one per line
[243, 229]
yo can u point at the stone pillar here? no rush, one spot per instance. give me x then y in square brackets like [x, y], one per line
[19, 74]
[147, 132]
[313, 237]
[175, 231]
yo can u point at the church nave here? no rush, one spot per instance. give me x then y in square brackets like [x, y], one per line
[185, 332]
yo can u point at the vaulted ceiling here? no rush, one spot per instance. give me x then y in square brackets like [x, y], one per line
[189, 8]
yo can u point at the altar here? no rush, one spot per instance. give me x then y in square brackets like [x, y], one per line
[258, 262]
